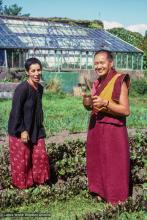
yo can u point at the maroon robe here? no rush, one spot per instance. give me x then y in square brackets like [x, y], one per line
[108, 162]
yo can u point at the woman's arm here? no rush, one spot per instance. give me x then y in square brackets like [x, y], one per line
[16, 122]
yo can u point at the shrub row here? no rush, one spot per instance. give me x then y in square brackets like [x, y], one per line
[47, 193]
[138, 87]
[114, 212]
[68, 160]
[67, 171]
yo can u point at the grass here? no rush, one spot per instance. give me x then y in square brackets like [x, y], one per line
[138, 117]
[4, 114]
[63, 210]
[65, 112]
[67, 210]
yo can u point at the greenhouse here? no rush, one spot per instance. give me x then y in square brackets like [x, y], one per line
[60, 46]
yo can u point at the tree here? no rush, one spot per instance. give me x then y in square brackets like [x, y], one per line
[13, 10]
[133, 38]
[1, 6]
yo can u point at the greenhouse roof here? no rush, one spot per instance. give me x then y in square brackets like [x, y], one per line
[30, 33]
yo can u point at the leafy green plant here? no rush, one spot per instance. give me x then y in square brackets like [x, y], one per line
[4, 167]
[138, 87]
[54, 85]
[120, 210]
[138, 149]
[67, 162]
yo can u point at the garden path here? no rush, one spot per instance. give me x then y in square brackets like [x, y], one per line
[63, 136]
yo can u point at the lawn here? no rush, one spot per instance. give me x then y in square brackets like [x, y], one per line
[65, 112]
[76, 208]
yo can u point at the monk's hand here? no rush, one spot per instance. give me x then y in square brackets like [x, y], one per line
[83, 93]
[24, 137]
[98, 102]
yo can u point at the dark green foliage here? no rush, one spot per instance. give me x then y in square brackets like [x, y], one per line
[68, 159]
[1, 6]
[113, 212]
[13, 10]
[138, 87]
[4, 167]
[133, 38]
[61, 191]
[84, 23]
[69, 177]
[138, 148]
[145, 73]
[145, 59]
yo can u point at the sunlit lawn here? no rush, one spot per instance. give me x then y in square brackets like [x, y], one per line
[66, 112]
[75, 208]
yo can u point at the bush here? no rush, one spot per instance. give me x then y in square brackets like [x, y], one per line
[138, 148]
[138, 87]
[5, 181]
[122, 209]
[68, 160]
[145, 73]
[54, 85]
[68, 173]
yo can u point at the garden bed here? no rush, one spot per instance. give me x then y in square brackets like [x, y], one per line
[68, 186]
[66, 123]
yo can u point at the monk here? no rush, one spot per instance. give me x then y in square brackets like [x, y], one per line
[108, 160]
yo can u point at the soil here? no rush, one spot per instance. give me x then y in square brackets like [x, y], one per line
[63, 136]
[66, 136]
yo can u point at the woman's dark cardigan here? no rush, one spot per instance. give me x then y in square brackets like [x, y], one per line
[26, 113]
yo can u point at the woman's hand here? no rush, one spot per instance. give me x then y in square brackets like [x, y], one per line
[24, 137]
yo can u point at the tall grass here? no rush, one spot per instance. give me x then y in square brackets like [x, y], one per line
[65, 112]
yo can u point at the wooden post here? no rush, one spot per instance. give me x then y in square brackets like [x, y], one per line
[86, 60]
[142, 56]
[12, 59]
[6, 60]
[80, 60]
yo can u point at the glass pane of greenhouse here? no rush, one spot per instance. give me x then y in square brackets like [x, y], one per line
[90, 60]
[77, 59]
[139, 61]
[65, 59]
[124, 61]
[64, 46]
[119, 60]
[130, 61]
[135, 61]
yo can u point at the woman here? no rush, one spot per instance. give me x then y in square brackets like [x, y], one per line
[28, 157]
[108, 160]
